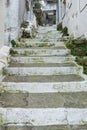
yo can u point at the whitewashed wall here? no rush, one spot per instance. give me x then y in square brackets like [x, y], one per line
[14, 16]
[75, 17]
[2, 20]
[16, 13]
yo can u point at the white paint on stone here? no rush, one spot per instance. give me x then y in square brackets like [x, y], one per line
[36, 44]
[42, 52]
[43, 117]
[77, 116]
[44, 59]
[27, 71]
[37, 117]
[52, 87]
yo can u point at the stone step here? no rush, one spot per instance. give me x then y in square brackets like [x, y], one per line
[42, 59]
[51, 127]
[66, 64]
[46, 39]
[19, 99]
[40, 51]
[43, 69]
[40, 44]
[44, 78]
[44, 87]
[43, 117]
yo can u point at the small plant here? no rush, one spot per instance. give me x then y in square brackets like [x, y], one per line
[43, 45]
[26, 53]
[26, 34]
[65, 31]
[13, 43]
[68, 43]
[59, 27]
[13, 52]
[24, 24]
[4, 71]
[85, 69]
[78, 48]
[45, 40]
[46, 45]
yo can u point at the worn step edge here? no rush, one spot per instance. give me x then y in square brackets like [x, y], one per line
[53, 87]
[48, 39]
[41, 51]
[26, 71]
[43, 117]
[40, 43]
[44, 59]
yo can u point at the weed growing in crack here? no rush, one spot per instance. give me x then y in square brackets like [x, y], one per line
[4, 71]
[13, 52]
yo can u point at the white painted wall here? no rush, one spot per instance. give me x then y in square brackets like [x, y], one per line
[12, 21]
[60, 10]
[15, 14]
[2, 19]
[75, 17]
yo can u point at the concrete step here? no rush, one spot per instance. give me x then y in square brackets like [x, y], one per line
[42, 59]
[40, 44]
[41, 51]
[43, 117]
[43, 69]
[44, 39]
[65, 64]
[51, 127]
[19, 99]
[44, 78]
[44, 87]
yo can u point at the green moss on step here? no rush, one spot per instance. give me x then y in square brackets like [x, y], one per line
[13, 43]
[65, 31]
[1, 119]
[78, 48]
[13, 52]
[59, 27]
[4, 71]
[46, 45]
[1, 89]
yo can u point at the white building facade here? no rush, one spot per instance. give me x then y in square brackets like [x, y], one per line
[73, 15]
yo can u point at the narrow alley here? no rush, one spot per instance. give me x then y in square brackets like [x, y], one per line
[43, 65]
[44, 88]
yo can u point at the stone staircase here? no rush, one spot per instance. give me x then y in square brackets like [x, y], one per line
[44, 89]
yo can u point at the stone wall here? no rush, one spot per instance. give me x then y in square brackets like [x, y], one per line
[73, 14]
